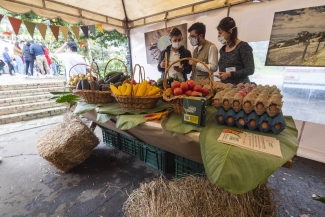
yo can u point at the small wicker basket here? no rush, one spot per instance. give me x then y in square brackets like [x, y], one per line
[73, 88]
[93, 96]
[177, 101]
[132, 102]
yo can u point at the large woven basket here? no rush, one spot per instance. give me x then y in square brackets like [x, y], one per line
[177, 101]
[94, 96]
[132, 102]
[73, 88]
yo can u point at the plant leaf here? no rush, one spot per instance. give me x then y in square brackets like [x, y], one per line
[321, 199]
[126, 122]
[103, 118]
[83, 107]
[66, 98]
[239, 170]
[61, 93]
[174, 123]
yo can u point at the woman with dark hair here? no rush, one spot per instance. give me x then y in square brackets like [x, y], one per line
[18, 54]
[236, 61]
[29, 59]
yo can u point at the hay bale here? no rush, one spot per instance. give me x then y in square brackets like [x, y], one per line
[68, 143]
[196, 197]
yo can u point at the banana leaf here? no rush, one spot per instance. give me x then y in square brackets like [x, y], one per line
[174, 123]
[103, 118]
[83, 107]
[239, 170]
[126, 122]
[320, 199]
[115, 109]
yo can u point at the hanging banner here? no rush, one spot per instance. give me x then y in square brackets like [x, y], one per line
[1, 16]
[92, 29]
[30, 27]
[100, 27]
[85, 30]
[42, 29]
[55, 31]
[64, 30]
[75, 30]
[15, 23]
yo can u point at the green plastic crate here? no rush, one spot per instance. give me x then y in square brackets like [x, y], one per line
[157, 158]
[130, 146]
[186, 166]
[111, 137]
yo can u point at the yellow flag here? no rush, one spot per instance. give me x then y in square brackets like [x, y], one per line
[100, 27]
[64, 30]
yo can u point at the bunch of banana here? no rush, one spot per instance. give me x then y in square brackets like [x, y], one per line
[141, 89]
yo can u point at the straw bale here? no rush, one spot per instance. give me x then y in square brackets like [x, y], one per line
[68, 143]
[196, 197]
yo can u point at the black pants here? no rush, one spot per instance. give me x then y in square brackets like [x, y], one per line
[29, 64]
[11, 68]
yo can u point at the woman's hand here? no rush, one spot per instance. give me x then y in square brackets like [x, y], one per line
[224, 75]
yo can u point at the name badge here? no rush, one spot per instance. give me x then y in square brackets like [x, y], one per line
[231, 69]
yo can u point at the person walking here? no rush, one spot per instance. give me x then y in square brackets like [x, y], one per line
[29, 59]
[2, 65]
[47, 55]
[8, 60]
[18, 57]
[38, 51]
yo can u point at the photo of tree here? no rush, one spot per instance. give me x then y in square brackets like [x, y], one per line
[157, 41]
[298, 38]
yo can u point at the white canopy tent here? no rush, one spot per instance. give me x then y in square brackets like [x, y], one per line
[115, 14]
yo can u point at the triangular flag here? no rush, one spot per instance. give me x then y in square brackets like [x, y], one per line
[85, 30]
[42, 29]
[75, 30]
[1, 16]
[100, 27]
[92, 29]
[15, 23]
[30, 27]
[55, 30]
[83, 44]
[64, 30]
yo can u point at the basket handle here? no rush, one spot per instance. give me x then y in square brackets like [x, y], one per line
[126, 68]
[189, 58]
[98, 75]
[77, 65]
[132, 78]
[144, 74]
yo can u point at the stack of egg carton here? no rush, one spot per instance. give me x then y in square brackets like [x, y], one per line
[257, 107]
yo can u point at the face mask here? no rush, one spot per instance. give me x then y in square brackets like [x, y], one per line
[222, 40]
[194, 41]
[175, 45]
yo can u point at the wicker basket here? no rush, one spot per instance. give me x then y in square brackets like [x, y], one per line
[137, 102]
[177, 101]
[73, 88]
[93, 96]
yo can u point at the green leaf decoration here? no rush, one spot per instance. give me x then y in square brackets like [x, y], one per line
[67, 98]
[126, 122]
[83, 107]
[103, 118]
[61, 93]
[239, 170]
[115, 109]
[174, 123]
[321, 199]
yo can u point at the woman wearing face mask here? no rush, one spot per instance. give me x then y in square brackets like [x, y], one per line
[175, 51]
[236, 61]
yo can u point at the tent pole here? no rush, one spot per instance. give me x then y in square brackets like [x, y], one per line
[228, 12]
[128, 35]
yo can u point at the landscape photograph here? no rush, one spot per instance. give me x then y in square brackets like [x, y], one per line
[298, 38]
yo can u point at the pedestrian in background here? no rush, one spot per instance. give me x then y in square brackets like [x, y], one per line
[29, 59]
[47, 55]
[8, 60]
[18, 57]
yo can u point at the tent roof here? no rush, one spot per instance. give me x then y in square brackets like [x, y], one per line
[113, 14]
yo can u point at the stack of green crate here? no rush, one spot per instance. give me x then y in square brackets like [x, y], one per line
[111, 137]
[130, 146]
[186, 166]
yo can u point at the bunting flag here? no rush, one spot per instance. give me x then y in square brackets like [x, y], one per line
[83, 44]
[15, 23]
[85, 30]
[42, 29]
[64, 30]
[55, 30]
[92, 29]
[100, 27]
[1, 16]
[30, 27]
[75, 30]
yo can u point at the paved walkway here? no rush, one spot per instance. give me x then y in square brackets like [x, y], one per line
[22, 79]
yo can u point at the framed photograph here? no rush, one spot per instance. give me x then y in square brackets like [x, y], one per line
[157, 41]
[298, 38]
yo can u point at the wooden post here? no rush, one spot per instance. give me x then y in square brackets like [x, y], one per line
[317, 47]
[303, 55]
